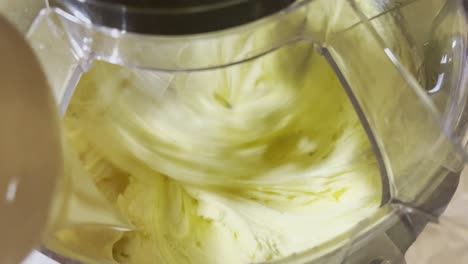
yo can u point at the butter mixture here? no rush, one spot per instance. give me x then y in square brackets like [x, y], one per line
[243, 164]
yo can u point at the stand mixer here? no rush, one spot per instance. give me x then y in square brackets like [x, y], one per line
[401, 65]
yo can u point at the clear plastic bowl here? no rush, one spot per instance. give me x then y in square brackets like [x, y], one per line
[402, 64]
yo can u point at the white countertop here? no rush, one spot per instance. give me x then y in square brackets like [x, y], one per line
[38, 258]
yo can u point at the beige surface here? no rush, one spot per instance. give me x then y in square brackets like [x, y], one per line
[30, 159]
[446, 242]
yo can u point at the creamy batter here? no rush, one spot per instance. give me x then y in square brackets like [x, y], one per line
[243, 164]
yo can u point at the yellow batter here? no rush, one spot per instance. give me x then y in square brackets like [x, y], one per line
[243, 164]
